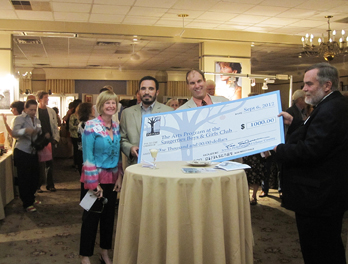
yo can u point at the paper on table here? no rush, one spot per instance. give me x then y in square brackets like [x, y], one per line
[197, 170]
[232, 165]
[147, 164]
[87, 201]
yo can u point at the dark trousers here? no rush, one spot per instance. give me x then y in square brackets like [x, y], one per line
[46, 174]
[320, 238]
[76, 149]
[90, 222]
[28, 175]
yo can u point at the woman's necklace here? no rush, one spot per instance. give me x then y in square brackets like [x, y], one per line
[108, 128]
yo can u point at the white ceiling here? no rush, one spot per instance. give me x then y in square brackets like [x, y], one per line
[295, 17]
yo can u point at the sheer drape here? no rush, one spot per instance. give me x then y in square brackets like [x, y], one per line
[60, 86]
[24, 84]
[132, 87]
[175, 88]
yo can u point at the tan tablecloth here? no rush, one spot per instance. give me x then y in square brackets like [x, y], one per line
[168, 217]
[6, 181]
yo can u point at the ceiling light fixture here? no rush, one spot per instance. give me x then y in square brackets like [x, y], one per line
[134, 56]
[253, 82]
[328, 48]
[264, 86]
[183, 23]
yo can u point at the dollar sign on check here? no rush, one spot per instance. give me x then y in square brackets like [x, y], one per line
[242, 126]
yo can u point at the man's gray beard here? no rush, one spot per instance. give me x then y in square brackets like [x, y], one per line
[316, 99]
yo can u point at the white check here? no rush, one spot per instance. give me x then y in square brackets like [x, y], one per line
[215, 132]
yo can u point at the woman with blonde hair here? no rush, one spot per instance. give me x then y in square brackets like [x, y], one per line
[102, 173]
[173, 103]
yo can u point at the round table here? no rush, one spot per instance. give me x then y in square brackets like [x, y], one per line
[170, 217]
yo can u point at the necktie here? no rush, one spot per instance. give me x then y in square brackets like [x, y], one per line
[204, 103]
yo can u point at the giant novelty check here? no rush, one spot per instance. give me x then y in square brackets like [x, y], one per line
[215, 132]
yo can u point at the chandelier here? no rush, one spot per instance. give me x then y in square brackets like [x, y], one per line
[327, 48]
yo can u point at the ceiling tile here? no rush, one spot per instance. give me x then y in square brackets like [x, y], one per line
[110, 9]
[147, 11]
[278, 21]
[233, 8]
[67, 7]
[73, 1]
[217, 16]
[6, 5]
[248, 19]
[308, 23]
[156, 3]
[266, 10]
[321, 5]
[195, 4]
[115, 2]
[34, 15]
[291, 3]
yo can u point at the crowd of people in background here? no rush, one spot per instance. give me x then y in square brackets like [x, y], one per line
[316, 137]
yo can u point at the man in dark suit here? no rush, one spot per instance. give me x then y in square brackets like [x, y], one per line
[315, 167]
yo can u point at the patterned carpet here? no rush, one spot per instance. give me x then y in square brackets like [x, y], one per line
[52, 234]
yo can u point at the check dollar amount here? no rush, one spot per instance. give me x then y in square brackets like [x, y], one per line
[215, 132]
[259, 123]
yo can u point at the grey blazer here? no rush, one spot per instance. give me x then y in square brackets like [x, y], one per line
[130, 127]
[191, 104]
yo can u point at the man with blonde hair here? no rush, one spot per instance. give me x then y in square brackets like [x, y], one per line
[211, 87]
[298, 108]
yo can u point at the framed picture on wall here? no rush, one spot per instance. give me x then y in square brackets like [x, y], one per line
[228, 86]
[89, 98]
[9, 92]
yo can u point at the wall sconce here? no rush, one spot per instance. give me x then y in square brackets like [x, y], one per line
[26, 75]
[264, 86]
[253, 82]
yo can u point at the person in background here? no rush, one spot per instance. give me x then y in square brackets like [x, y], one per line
[173, 103]
[314, 167]
[31, 97]
[48, 119]
[257, 171]
[73, 126]
[196, 83]
[135, 101]
[101, 172]
[211, 87]
[67, 115]
[16, 108]
[132, 116]
[85, 112]
[26, 128]
[182, 102]
[59, 120]
[299, 106]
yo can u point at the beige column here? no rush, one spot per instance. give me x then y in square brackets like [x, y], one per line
[211, 52]
[6, 63]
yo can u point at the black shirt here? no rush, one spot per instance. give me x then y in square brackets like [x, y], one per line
[45, 121]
